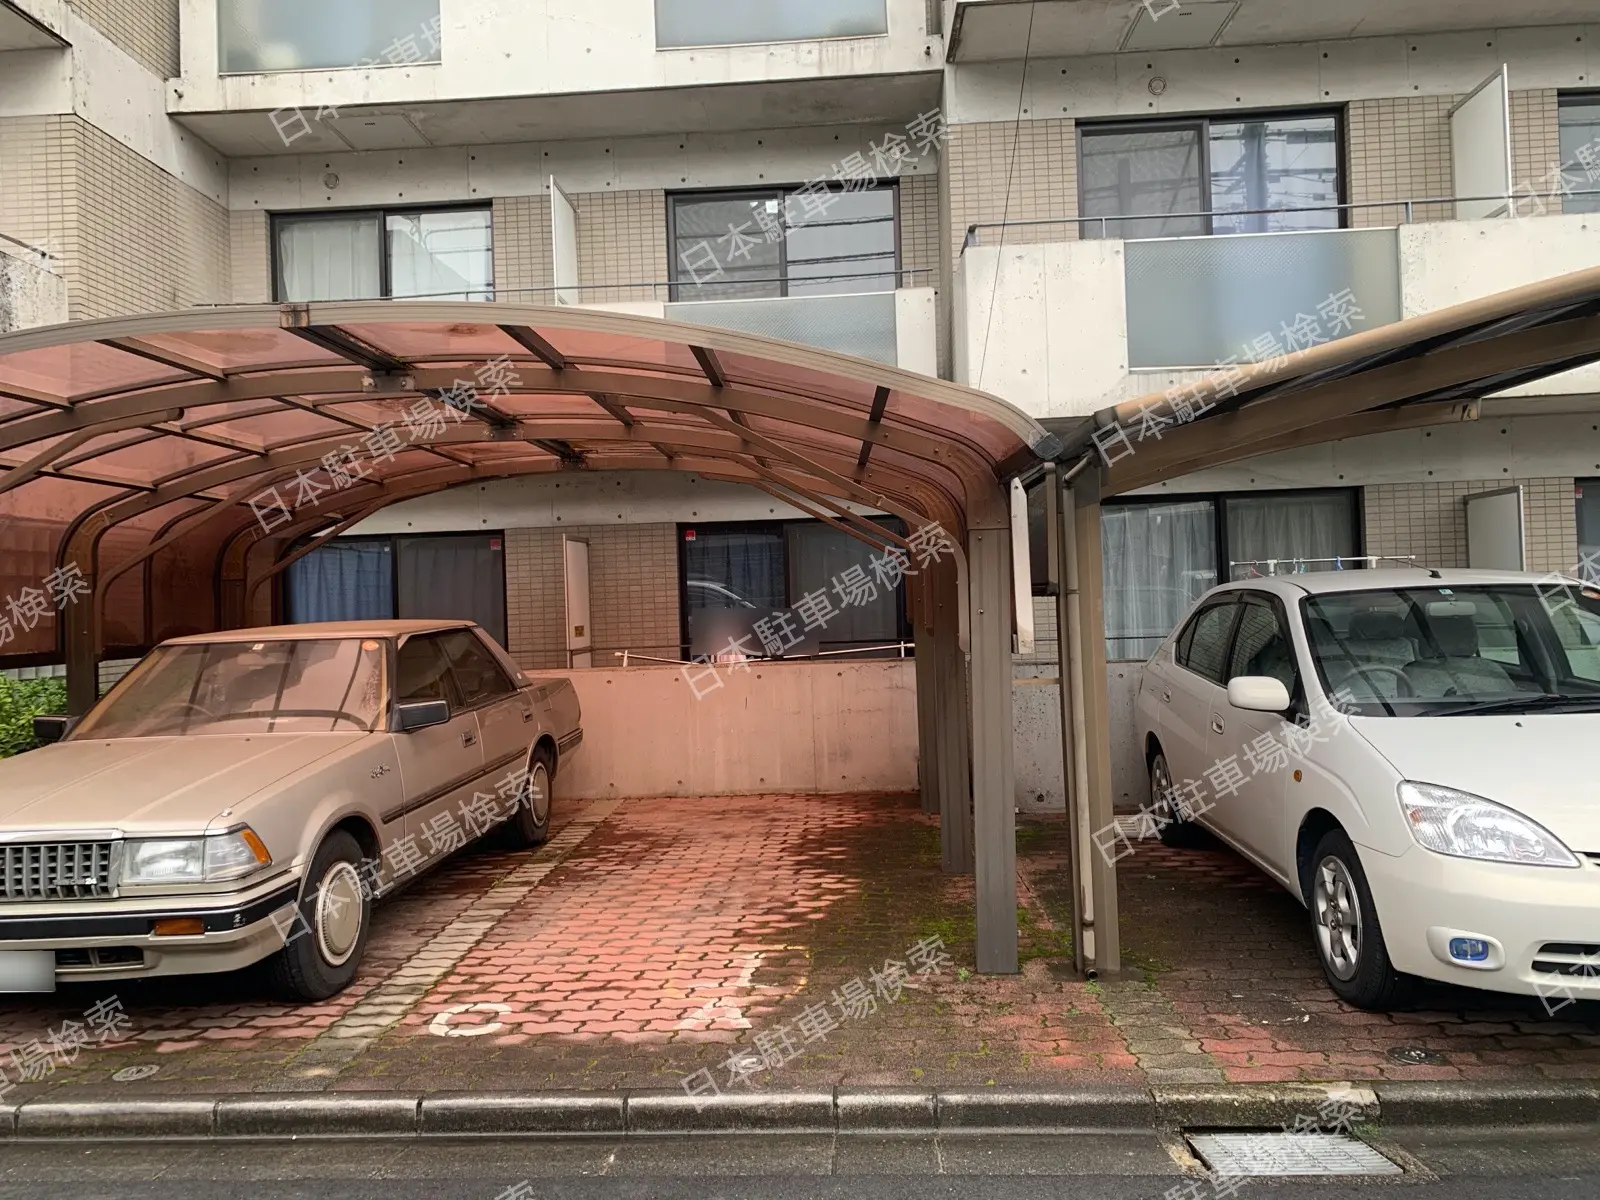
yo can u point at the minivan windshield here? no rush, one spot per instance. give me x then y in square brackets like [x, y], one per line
[1444, 651]
[319, 685]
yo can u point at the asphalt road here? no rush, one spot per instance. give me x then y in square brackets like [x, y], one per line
[1476, 1164]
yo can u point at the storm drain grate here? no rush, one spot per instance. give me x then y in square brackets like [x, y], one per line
[1289, 1154]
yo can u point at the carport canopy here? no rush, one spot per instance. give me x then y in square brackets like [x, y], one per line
[158, 470]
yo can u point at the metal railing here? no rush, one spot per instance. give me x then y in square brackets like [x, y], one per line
[629, 657]
[1408, 210]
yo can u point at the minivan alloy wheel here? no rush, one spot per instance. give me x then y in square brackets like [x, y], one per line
[1337, 911]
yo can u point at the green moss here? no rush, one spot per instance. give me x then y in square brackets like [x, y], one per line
[20, 701]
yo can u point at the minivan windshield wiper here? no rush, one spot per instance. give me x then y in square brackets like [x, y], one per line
[1532, 702]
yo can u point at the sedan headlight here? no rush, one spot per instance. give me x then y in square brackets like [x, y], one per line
[213, 859]
[1467, 826]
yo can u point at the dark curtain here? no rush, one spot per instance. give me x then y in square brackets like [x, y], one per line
[456, 578]
[345, 581]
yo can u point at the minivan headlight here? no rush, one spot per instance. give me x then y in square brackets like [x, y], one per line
[212, 859]
[1462, 825]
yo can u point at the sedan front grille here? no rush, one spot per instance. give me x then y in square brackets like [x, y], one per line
[57, 870]
[1578, 959]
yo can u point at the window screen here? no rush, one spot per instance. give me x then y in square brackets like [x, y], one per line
[1586, 497]
[1274, 163]
[820, 554]
[1156, 172]
[1157, 560]
[1578, 118]
[443, 254]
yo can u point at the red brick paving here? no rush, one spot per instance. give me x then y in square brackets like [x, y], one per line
[683, 930]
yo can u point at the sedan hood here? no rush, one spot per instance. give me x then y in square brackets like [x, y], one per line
[1540, 764]
[150, 784]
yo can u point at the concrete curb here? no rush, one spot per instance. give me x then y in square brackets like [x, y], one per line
[844, 1110]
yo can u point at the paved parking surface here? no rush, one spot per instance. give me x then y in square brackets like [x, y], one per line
[786, 942]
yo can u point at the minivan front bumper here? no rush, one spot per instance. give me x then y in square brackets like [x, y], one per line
[116, 938]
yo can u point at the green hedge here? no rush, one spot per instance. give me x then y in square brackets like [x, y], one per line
[20, 701]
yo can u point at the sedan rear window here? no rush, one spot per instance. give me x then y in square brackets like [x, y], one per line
[311, 686]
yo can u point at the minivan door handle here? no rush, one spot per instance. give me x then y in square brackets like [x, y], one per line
[1216, 723]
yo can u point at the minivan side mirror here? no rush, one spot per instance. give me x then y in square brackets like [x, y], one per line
[420, 714]
[1258, 693]
[50, 729]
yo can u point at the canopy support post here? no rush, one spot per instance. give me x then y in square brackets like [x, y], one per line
[1092, 754]
[920, 602]
[1062, 543]
[82, 652]
[951, 754]
[993, 771]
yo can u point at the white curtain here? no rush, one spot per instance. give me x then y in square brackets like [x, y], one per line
[1158, 559]
[329, 258]
[441, 255]
[1296, 530]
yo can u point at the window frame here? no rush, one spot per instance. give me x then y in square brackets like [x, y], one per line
[685, 645]
[1576, 98]
[781, 192]
[280, 596]
[1202, 123]
[453, 685]
[494, 663]
[1280, 613]
[382, 213]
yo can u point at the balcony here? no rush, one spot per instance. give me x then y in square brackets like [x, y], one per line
[1062, 325]
[407, 74]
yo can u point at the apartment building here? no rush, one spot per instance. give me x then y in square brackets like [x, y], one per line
[1067, 203]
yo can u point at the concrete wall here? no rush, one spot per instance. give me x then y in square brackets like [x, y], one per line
[492, 48]
[808, 727]
[30, 294]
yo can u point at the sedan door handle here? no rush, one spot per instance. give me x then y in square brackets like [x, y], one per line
[1216, 723]
[1166, 696]
[469, 738]
[527, 715]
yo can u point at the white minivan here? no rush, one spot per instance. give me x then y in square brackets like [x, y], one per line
[1413, 753]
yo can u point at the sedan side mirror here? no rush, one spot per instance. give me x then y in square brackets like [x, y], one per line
[420, 714]
[50, 729]
[1258, 693]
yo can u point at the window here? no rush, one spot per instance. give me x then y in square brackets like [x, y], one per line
[301, 35]
[1144, 177]
[449, 576]
[784, 242]
[423, 674]
[1159, 557]
[718, 23]
[1578, 119]
[1207, 641]
[744, 581]
[477, 673]
[1261, 646]
[440, 254]
[1586, 497]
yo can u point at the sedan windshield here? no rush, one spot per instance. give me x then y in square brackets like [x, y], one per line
[313, 686]
[1441, 651]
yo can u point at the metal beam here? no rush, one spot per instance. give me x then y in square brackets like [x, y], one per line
[874, 530]
[796, 502]
[347, 346]
[536, 345]
[994, 812]
[711, 365]
[167, 358]
[23, 472]
[880, 401]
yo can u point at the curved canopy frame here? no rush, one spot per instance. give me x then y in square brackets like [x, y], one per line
[211, 432]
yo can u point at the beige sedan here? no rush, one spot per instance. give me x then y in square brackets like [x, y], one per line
[243, 797]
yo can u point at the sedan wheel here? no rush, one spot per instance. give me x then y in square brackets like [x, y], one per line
[338, 921]
[324, 940]
[1338, 917]
[531, 825]
[1344, 924]
[1176, 831]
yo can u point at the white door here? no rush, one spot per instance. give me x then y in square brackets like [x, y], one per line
[1494, 531]
[580, 634]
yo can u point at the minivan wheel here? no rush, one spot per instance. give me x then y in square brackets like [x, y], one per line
[531, 826]
[1344, 925]
[325, 944]
[1177, 832]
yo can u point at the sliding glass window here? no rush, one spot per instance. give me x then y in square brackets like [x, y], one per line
[783, 242]
[434, 253]
[1204, 176]
[1578, 118]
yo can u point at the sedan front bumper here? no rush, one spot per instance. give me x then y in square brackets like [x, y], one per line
[1541, 924]
[116, 939]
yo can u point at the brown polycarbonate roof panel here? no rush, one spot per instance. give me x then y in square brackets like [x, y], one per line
[456, 341]
[81, 368]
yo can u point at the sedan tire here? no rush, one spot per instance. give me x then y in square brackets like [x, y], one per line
[531, 826]
[1345, 929]
[324, 947]
[1178, 832]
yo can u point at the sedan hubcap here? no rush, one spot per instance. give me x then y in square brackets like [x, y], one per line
[1338, 918]
[338, 913]
[539, 792]
[1160, 785]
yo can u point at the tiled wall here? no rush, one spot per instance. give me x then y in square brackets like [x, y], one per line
[1399, 150]
[1429, 520]
[1535, 146]
[146, 29]
[996, 171]
[522, 249]
[633, 592]
[919, 230]
[127, 236]
[248, 234]
[622, 239]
